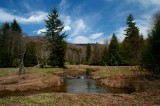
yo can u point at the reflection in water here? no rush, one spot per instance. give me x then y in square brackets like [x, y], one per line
[88, 86]
[81, 86]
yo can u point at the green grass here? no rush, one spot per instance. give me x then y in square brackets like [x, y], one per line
[7, 71]
[31, 70]
[113, 70]
[45, 99]
[101, 71]
[26, 100]
[117, 70]
[13, 71]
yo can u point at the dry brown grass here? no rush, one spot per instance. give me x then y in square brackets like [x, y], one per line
[29, 82]
[44, 77]
[61, 99]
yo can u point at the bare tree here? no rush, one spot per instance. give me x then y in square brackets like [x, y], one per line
[21, 68]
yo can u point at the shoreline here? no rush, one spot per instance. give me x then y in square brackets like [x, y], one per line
[146, 92]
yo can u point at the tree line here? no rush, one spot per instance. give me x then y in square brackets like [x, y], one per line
[10, 44]
[134, 50]
[53, 50]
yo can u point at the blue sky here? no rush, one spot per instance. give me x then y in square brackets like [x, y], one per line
[86, 21]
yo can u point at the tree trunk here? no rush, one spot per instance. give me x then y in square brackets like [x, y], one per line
[21, 68]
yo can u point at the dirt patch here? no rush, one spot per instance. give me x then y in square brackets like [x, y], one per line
[29, 82]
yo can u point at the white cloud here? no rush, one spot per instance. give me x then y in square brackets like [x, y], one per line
[91, 39]
[144, 25]
[80, 39]
[6, 16]
[78, 27]
[67, 22]
[35, 17]
[40, 31]
[143, 28]
[96, 35]
[66, 28]
[120, 33]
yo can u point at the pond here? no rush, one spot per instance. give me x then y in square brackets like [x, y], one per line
[89, 86]
[72, 85]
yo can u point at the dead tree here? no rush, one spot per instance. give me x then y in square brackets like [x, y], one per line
[21, 68]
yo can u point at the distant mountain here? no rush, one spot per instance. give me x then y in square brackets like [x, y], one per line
[92, 44]
[41, 38]
[34, 38]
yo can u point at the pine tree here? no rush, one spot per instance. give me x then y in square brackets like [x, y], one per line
[55, 36]
[104, 56]
[132, 41]
[16, 43]
[15, 26]
[113, 51]
[5, 60]
[151, 54]
[10, 42]
[88, 52]
[5, 27]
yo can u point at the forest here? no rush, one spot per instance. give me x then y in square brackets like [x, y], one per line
[134, 50]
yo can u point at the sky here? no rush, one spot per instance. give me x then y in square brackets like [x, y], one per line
[85, 21]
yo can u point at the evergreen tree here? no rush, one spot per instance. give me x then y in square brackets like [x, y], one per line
[15, 26]
[56, 37]
[16, 43]
[104, 56]
[113, 51]
[30, 59]
[132, 41]
[151, 54]
[88, 52]
[5, 60]
[10, 46]
[5, 27]
[123, 54]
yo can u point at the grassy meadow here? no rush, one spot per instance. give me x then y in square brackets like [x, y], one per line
[99, 71]
[65, 99]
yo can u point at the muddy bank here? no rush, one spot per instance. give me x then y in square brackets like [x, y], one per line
[29, 82]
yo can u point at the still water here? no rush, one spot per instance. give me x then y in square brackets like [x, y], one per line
[89, 86]
[71, 86]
